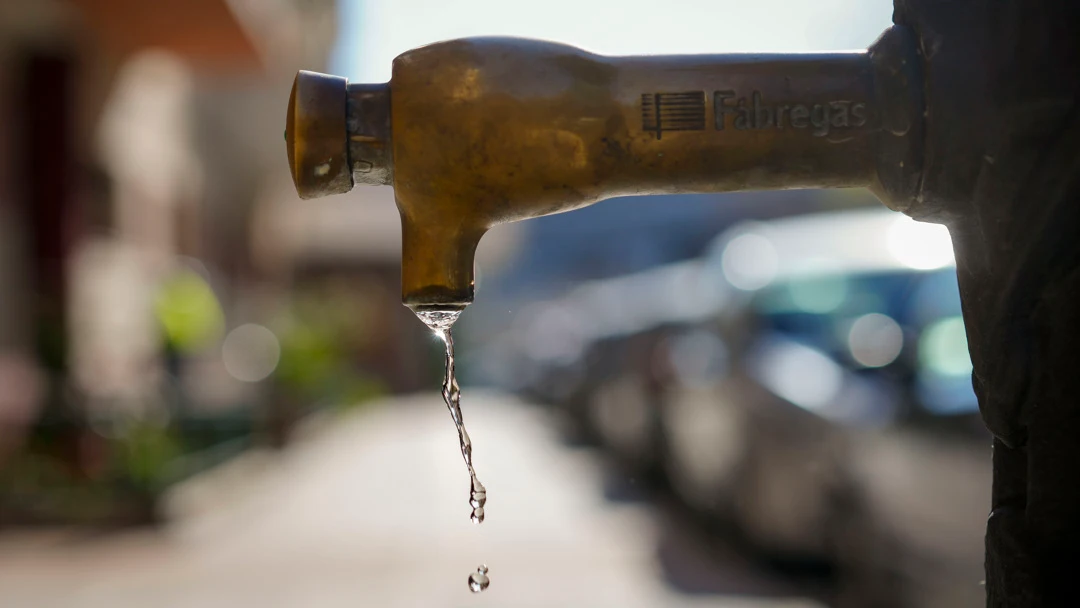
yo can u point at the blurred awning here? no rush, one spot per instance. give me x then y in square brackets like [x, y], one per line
[205, 32]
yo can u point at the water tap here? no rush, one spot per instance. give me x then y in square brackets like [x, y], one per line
[475, 132]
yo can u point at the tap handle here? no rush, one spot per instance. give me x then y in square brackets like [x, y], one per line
[316, 135]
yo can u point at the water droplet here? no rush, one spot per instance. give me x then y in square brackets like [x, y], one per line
[477, 500]
[478, 581]
[437, 319]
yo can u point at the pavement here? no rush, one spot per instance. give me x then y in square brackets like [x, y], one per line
[371, 509]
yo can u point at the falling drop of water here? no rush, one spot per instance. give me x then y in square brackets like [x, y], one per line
[478, 581]
[477, 500]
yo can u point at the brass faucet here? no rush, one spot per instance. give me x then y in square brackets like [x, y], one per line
[475, 132]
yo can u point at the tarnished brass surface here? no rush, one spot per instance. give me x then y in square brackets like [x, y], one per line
[491, 130]
[315, 135]
[368, 123]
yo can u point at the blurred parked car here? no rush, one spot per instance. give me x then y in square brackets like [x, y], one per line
[808, 383]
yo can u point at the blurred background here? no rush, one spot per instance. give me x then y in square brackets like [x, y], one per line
[210, 393]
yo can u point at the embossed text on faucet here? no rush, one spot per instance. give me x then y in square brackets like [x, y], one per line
[686, 111]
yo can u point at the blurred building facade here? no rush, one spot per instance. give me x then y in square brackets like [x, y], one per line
[137, 141]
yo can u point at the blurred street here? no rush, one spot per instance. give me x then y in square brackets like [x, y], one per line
[370, 509]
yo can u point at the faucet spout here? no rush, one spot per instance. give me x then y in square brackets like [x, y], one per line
[437, 263]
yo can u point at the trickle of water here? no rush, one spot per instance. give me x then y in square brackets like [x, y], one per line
[440, 322]
[478, 581]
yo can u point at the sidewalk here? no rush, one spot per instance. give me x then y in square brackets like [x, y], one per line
[373, 511]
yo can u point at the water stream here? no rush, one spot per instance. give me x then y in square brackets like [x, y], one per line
[440, 322]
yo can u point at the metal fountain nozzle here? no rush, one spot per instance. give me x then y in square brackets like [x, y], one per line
[475, 132]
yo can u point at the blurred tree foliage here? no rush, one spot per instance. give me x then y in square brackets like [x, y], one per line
[320, 333]
[188, 310]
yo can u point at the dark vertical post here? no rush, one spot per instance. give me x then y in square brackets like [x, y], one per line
[1002, 170]
[46, 177]
[47, 172]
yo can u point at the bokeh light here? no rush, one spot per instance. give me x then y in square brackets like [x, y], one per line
[920, 245]
[875, 340]
[250, 352]
[749, 262]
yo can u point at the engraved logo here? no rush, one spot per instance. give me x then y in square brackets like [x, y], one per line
[686, 111]
[662, 112]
